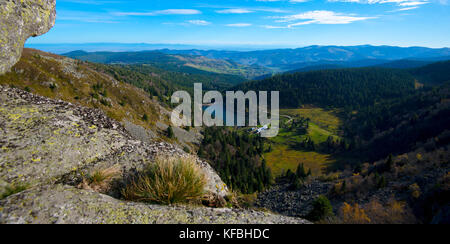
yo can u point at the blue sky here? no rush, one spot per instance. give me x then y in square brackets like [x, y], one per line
[253, 22]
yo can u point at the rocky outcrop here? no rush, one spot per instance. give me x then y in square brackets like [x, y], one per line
[60, 204]
[295, 203]
[19, 20]
[44, 141]
[49, 145]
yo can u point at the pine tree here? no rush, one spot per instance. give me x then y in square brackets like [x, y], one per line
[170, 133]
[301, 172]
[389, 163]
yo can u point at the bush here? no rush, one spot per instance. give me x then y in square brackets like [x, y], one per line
[415, 191]
[100, 180]
[13, 189]
[376, 213]
[322, 209]
[170, 133]
[349, 214]
[168, 181]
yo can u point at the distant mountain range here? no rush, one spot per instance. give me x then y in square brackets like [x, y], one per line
[60, 48]
[277, 60]
[352, 56]
[174, 62]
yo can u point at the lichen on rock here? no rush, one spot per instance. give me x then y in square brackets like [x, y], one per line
[43, 141]
[19, 20]
[59, 204]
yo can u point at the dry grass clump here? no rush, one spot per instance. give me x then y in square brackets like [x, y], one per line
[13, 189]
[168, 180]
[101, 180]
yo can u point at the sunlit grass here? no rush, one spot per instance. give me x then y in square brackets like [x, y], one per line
[325, 119]
[285, 155]
[282, 158]
[168, 181]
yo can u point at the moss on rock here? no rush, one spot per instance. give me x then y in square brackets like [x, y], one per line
[58, 204]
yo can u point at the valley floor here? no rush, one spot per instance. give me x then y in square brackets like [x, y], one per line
[285, 154]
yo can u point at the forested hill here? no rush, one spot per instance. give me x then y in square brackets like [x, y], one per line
[191, 64]
[349, 88]
[342, 88]
[433, 74]
[403, 125]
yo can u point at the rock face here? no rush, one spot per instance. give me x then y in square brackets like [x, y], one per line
[60, 204]
[280, 199]
[44, 141]
[19, 20]
[50, 145]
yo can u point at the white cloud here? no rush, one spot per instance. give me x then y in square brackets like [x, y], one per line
[161, 12]
[320, 17]
[239, 25]
[234, 11]
[405, 4]
[398, 2]
[199, 22]
[274, 27]
[405, 9]
[292, 1]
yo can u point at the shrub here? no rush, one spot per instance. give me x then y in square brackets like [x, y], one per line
[105, 102]
[13, 189]
[415, 190]
[394, 212]
[100, 180]
[170, 133]
[353, 215]
[53, 87]
[296, 184]
[329, 177]
[374, 212]
[322, 209]
[168, 181]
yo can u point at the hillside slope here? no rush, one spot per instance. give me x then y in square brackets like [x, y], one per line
[49, 146]
[143, 114]
[339, 88]
[186, 63]
[72, 81]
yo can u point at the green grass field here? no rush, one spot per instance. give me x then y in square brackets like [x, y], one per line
[327, 120]
[285, 156]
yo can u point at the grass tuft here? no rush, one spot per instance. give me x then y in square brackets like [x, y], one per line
[101, 180]
[13, 189]
[168, 181]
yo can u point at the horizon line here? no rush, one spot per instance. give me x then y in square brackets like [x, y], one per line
[280, 46]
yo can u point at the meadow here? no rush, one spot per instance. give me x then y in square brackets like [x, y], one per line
[285, 154]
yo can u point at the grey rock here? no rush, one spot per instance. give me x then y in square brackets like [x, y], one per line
[19, 20]
[280, 199]
[59, 204]
[46, 141]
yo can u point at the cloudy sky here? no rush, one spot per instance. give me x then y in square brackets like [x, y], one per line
[253, 22]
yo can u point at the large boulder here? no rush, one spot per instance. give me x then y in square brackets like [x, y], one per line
[19, 20]
[59, 204]
[45, 141]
